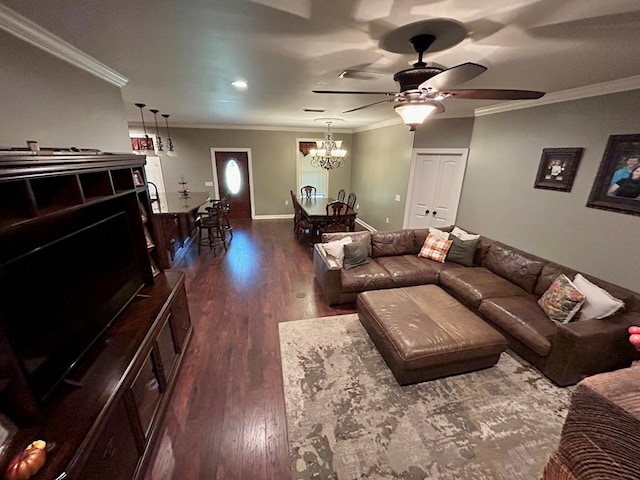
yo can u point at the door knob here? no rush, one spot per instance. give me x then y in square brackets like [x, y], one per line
[426, 212]
[435, 213]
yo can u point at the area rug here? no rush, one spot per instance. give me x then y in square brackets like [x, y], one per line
[349, 419]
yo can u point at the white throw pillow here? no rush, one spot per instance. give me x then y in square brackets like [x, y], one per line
[598, 302]
[462, 235]
[439, 234]
[336, 249]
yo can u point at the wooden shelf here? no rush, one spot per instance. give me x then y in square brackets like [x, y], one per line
[104, 419]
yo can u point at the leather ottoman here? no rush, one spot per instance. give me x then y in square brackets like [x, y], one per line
[423, 333]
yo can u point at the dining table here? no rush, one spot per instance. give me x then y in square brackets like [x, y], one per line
[314, 210]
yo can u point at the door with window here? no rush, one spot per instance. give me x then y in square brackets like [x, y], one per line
[232, 174]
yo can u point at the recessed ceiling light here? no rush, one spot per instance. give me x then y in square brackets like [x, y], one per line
[240, 84]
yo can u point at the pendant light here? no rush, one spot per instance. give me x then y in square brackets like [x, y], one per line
[159, 146]
[170, 152]
[148, 147]
[329, 153]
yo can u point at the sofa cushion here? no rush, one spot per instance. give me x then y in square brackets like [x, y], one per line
[435, 248]
[420, 235]
[385, 244]
[355, 236]
[598, 302]
[355, 254]
[548, 274]
[474, 284]
[407, 270]
[562, 300]
[336, 249]
[370, 276]
[462, 251]
[522, 318]
[515, 265]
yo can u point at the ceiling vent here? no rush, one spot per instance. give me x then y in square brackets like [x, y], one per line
[314, 110]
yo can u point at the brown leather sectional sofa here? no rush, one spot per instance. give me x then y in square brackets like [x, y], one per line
[502, 287]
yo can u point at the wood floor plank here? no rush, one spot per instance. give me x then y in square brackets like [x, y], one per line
[227, 417]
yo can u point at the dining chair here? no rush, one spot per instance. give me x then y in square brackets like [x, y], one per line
[341, 194]
[337, 219]
[351, 201]
[308, 191]
[302, 226]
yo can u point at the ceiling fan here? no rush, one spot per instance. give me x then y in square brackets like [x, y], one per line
[422, 87]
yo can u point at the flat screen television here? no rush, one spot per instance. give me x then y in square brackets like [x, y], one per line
[57, 299]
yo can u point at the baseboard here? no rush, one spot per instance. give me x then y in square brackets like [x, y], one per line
[366, 225]
[274, 217]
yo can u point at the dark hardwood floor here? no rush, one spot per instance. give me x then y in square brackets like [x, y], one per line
[227, 416]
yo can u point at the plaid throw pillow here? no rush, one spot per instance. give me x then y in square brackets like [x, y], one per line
[435, 248]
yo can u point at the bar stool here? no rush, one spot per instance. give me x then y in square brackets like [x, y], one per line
[226, 208]
[212, 222]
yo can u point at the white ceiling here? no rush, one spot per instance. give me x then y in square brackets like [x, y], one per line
[180, 56]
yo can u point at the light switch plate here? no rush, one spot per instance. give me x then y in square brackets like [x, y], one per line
[208, 184]
[397, 198]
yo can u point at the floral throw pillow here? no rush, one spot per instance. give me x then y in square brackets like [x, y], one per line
[562, 300]
[435, 248]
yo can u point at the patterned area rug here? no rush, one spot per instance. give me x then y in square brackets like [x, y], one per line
[349, 419]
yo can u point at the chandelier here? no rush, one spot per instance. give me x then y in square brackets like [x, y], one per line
[329, 153]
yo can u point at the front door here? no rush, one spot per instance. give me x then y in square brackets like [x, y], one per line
[435, 185]
[232, 172]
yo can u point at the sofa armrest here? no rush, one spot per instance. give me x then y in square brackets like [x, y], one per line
[587, 347]
[327, 274]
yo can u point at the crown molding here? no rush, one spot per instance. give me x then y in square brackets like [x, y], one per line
[268, 128]
[24, 29]
[604, 88]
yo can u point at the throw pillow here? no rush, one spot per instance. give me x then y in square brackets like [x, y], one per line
[435, 248]
[462, 235]
[355, 254]
[562, 300]
[462, 251]
[336, 249]
[439, 233]
[598, 303]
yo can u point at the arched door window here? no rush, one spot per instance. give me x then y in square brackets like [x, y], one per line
[233, 178]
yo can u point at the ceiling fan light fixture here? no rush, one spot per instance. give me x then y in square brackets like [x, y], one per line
[416, 112]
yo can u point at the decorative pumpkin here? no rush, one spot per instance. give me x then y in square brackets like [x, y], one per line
[26, 464]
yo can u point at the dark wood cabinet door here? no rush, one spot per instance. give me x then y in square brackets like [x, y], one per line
[167, 352]
[180, 320]
[146, 393]
[115, 454]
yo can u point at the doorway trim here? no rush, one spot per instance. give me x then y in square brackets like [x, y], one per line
[462, 152]
[216, 188]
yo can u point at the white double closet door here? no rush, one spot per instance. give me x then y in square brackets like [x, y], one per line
[435, 185]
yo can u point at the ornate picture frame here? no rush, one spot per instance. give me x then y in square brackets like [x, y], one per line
[614, 188]
[557, 169]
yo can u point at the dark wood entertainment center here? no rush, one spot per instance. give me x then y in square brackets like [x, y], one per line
[104, 419]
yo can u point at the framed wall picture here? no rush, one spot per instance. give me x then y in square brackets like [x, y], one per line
[558, 167]
[617, 183]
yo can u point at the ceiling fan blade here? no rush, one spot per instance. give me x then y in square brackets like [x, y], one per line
[453, 76]
[368, 105]
[491, 94]
[354, 92]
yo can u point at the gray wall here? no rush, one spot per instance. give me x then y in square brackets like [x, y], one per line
[382, 160]
[498, 198]
[273, 155]
[48, 100]
[380, 170]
